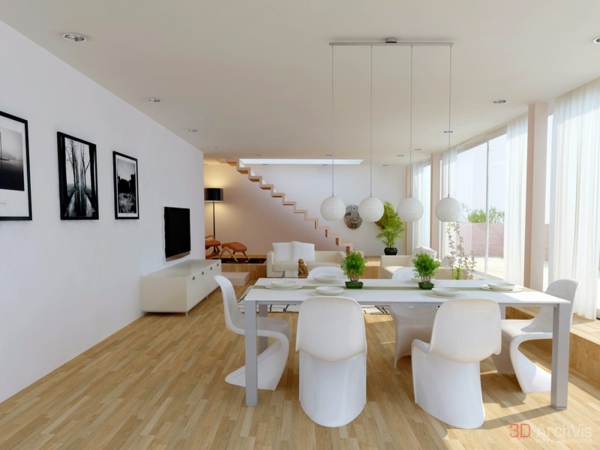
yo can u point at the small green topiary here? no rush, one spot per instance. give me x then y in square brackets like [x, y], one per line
[425, 266]
[353, 265]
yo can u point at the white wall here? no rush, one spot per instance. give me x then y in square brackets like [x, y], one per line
[250, 215]
[66, 285]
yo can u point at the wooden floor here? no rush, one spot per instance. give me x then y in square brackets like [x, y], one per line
[159, 383]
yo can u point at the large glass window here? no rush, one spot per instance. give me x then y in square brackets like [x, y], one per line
[480, 189]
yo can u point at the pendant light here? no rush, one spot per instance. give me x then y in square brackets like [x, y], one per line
[332, 208]
[449, 209]
[371, 208]
[410, 209]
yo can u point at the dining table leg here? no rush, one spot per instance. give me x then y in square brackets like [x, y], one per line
[251, 358]
[560, 356]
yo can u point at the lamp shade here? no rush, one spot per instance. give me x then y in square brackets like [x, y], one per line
[410, 209]
[448, 210]
[370, 209]
[213, 194]
[333, 208]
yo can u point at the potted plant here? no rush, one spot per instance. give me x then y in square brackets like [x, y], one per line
[391, 228]
[425, 266]
[353, 265]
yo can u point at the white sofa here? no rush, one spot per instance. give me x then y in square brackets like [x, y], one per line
[285, 255]
[391, 263]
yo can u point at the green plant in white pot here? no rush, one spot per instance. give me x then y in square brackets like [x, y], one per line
[424, 267]
[353, 265]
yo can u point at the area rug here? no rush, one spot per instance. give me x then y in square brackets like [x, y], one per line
[242, 260]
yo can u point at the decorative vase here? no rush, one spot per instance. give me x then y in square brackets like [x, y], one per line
[354, 284]
[390, 251]
[425, 285]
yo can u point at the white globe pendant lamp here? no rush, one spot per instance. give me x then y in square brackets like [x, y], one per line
[332, 208]
[370, 209]
[410, 209]
[449, 209]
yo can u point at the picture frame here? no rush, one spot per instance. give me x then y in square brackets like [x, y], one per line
[125, 182]
[77, 178]
[15, 179]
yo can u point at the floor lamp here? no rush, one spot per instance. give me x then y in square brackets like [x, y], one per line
[213, 195]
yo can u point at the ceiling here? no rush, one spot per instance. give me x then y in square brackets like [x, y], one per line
[255, 78]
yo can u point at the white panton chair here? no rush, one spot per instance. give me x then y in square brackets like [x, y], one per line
[411, 322]
[446, 374]
[272, 361]
[531, 377]
[332, 343]
[326, 270]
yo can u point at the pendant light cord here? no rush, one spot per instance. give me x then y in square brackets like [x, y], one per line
[332, 123]
[371, 156]
[411, 121]
[449, 98]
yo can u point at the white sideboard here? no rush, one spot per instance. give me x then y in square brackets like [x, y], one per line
[180, 287]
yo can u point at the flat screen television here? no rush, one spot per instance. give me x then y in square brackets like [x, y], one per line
[177, 232]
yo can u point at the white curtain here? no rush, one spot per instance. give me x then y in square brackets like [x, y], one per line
[419, 193]
[448, 184]
[515, 189]
[576, 181]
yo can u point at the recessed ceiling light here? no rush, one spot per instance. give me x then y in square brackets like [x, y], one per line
[419, 149]
[153, 100]
[499, 101]
[597, 40]
[215, 148]
[193, 130]
[400, 156]
[74, 37]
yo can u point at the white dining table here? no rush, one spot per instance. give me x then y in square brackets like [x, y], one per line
[380, 292]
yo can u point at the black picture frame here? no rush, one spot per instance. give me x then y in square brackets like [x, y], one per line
[77, 178]
[15, 179]
[125, 182]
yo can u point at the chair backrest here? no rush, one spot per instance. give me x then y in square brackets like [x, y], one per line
[234, 319]
[566, 289]
[426, 250]
[467, 330]
[331, 328]
[325, 270]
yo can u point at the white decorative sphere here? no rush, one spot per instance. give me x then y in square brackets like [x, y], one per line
[332, 209]
[410, 209]
[370, 209]
[448, 210]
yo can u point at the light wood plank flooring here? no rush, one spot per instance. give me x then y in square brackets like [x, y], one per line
[159, 384]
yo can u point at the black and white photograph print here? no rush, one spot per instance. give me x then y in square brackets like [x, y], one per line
[126, 187]
[77, 178]
[15, 183]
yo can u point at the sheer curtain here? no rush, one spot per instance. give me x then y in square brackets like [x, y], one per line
[576, 181]
[516, 185]
[449, 181]
[418, 183]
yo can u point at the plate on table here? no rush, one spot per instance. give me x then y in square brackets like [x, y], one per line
[502, 286]
[326, 278]
[329, 290]
[486, 287]
[284, 285]
[446, 292]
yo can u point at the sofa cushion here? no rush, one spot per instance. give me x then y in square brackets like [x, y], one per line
[283, 251]
[303, 251]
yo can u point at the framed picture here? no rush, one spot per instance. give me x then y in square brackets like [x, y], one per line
[126, 187]
[15, 183]
[77, 178]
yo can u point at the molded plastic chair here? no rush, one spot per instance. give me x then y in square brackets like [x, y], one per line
[531, 377]
[271, 362]
[326, 270]
[332, 343]
[411, 322]
[446, 375]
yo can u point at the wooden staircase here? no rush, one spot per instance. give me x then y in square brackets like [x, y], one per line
[285, 202]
